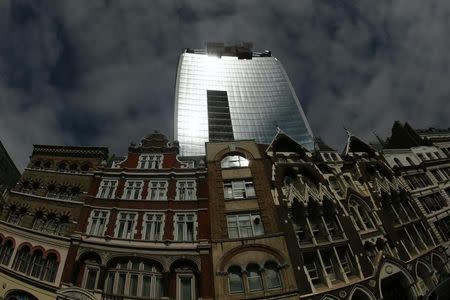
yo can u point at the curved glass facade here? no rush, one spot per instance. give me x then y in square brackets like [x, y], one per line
[255, 94]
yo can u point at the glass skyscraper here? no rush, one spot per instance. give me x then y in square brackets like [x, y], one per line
[231, 93]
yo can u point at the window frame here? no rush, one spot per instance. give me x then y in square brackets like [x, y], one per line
[158, 189]
[133, 189]
[110, 194]
[148, 161]
[252, 217]
[91, 219]
[179, 188]
[238, 189]
[144, 226]
[185, 229]
[125, 234]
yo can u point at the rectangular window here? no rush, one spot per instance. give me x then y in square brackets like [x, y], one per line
[185, 227]
[98, 220]
[437, 174]
[345, 259]
[244, 225]
[91, 278]
[153, 227]
[186, 189]
[126, 223]
[329, 261]
[312, 267]
[133, 189]
[157, 190]
[238, 189]
[107, 189]
[150, 161]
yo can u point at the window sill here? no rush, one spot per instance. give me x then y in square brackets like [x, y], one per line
[240, 199]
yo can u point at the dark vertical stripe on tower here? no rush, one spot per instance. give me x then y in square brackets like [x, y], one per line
[219, 119]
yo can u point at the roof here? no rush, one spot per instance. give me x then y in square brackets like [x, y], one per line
[354, 144]
[284, 143]
[73, 151]
[242, 50]
[403, 137]
[9, 174]
[321, 146]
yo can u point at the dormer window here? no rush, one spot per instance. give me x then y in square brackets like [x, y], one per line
[150, 161]
[234, 161]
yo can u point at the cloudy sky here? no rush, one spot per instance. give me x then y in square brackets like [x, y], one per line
[102, 72]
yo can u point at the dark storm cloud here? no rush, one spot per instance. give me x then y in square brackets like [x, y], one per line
[102, 72]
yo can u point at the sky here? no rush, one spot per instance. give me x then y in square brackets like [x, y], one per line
[102, 73]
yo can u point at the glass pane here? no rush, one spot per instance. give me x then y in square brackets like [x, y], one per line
[236, 284]
[90, 280]
[133, 284]
[186, 288]
[110, 284]
[121, 284]
[146, 286]
[273, 278]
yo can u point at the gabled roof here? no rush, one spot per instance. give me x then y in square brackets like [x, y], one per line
[355, 144]
[403, 137]
[321, 146]
[284, 143]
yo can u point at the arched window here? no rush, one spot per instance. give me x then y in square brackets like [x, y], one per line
[235, 282]
[272, 275]
[22, 260]
[63, 225]
[134, 278]
[85, 167]
[51, 191]
[37, 264]
[35, 187]
[74, 193]
[51, 268]
[398, 162]
[360, 213]
[254, 278]
[15, 215]
[6, 252]
[73, 168]
[62, 167]
[47, 165]
[26, 186]
[39, 221]
[409, 160]
[37, 164]
[51, 224]
[63, 192]
[234, 161]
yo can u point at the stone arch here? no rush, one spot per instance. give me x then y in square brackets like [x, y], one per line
[228, 256]
[37, 248]
[75, 293]
[395, 282]
[437, 262]
[237, 151]
[19, 294]
[87, 253]
[425, 276]
[329, 297]
[184, 262]
[54, 252]
[25, 244]
[360, 292]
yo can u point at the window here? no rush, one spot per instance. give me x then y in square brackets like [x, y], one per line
[254, 278]
[90, 277]
[345, 258]
[150, 161]
[238, 189]
[134, 278]
[234, 161]
[329, 262]
[153, 227]
[186, 287]
[22, 260]
[433, 202]
[312, 267]
[6, 252]
[36, 265]
[157, 190]
[437, 174]
[132, 190]
[409, 160]
[272, 275]
[235, 280]
[107, 189]
[186, 189]
[185, 227]
[126, 223]
[97, 223]
[39, 221]
[397, 161]
[15, 215]
[361, 215]
[418, 181]
[244, 225]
